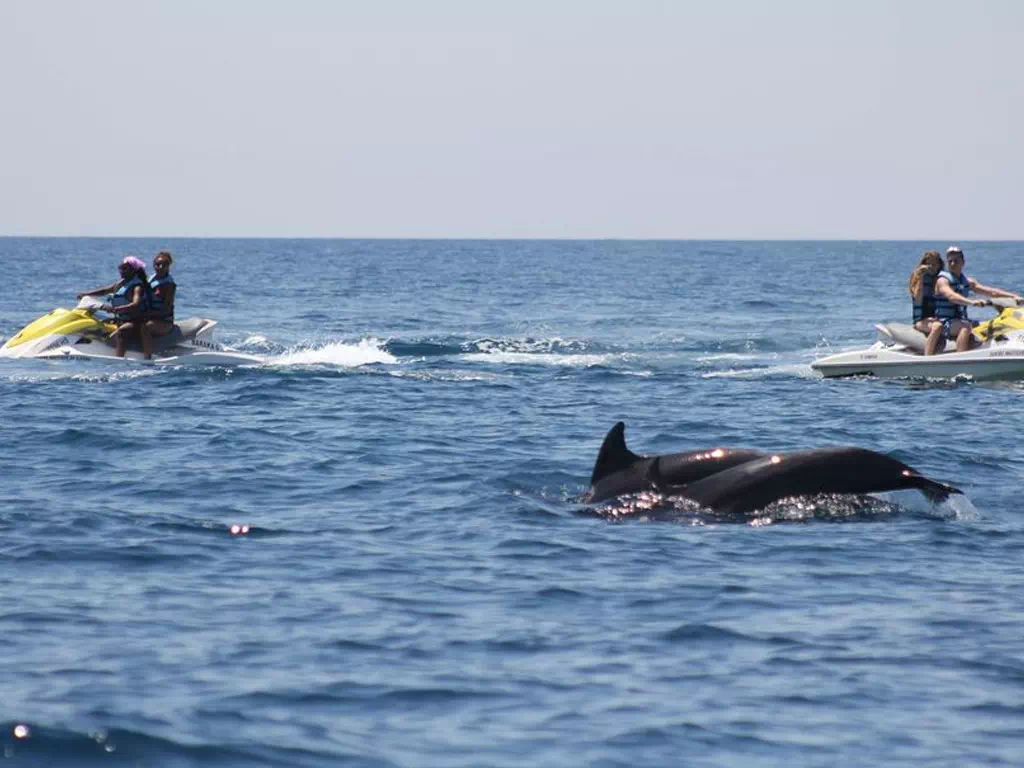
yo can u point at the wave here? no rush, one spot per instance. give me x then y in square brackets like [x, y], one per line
[556, 351]
[234, 528]
[29, 744]
[800, 370]
[57, 371]
[828, 507]
[523, 350]
[452, 346]
[559, 351]
[711, 342]
[529, 358]
[710, 633]
[447, 376]
[716, 356]
[527, 345]
[423, 348]
[365, 352]
[370, 351]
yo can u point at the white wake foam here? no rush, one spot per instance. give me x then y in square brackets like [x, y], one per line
[532, 358]
[956, 507]
[366, 352]
[961, 507]
[717, 356]
[800, 370]
[63, 371]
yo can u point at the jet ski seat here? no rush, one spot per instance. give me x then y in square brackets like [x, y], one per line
[182, 331]
[910, 337]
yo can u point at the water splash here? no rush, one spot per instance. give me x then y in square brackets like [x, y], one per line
[650, 506]
[62, 374]
[255, 341]
[366, 352]
[570, 353]
[798, 370]
[531, 358]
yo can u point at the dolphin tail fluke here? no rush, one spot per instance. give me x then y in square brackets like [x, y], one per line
[614, 455]
[935, 491]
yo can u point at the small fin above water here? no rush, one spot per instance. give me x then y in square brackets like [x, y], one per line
[614, 455]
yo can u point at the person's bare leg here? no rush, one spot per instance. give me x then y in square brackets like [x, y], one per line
[963, 338]
[120, 345]
[146, 332]
[934, 337]
[122, 338]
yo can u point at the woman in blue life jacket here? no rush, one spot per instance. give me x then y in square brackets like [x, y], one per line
[159, 321]
[922, 294]
[129, 299]
[952, 297]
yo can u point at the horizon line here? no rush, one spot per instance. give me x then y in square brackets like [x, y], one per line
[524, 239]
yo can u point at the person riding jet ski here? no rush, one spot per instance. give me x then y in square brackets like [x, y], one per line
[922, 293]
[952, 297]
[130, 299]
[159, 321]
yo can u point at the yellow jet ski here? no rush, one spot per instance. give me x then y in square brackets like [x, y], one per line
[82, 333]
[1010, 318]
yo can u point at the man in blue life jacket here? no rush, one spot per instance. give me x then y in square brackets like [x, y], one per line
[952, 297]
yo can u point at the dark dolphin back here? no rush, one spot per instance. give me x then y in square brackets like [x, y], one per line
[680, 469]
[614, 456]
[618, 470]
[859, 470]
[757, 483]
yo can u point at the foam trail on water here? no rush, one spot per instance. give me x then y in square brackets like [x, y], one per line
[717, 356]
[366, 352]
[255, 340]
[961, 507]
[801, 370]
[956, 507]
[532, 358]
[65, 372]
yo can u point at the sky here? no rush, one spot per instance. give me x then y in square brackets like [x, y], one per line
[721, 119]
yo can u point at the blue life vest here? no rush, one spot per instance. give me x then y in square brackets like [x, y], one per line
[946, 309]
[926, 308]
[122, 297]
[156, 302]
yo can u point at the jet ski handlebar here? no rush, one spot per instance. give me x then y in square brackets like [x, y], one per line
[1002, 303]
[89, 304]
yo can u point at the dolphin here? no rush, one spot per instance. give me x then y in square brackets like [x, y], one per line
[618, 470]
[754, 484]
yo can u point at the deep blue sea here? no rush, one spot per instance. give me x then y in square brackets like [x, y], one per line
[419, 584]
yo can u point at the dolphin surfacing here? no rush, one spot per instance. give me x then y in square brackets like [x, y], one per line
[738, 480]
[756, 484]
[618, 470]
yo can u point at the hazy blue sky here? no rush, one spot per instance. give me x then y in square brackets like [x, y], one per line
[523, 118]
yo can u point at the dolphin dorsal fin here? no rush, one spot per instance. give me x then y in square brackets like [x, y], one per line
[614, 455]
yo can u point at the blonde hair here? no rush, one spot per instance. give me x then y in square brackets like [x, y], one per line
[930, 259]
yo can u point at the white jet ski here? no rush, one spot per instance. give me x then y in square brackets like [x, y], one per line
[80, 333]
[899, 353]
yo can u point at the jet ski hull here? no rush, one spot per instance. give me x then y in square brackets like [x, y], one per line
[997, 362]
[899, 354]
[77, 333]
[174, 356]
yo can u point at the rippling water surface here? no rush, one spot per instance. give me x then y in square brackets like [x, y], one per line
[371, 551]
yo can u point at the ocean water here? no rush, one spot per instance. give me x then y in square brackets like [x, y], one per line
[371, 550]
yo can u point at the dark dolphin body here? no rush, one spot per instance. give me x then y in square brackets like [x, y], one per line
[757, 483]
[618, 470]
